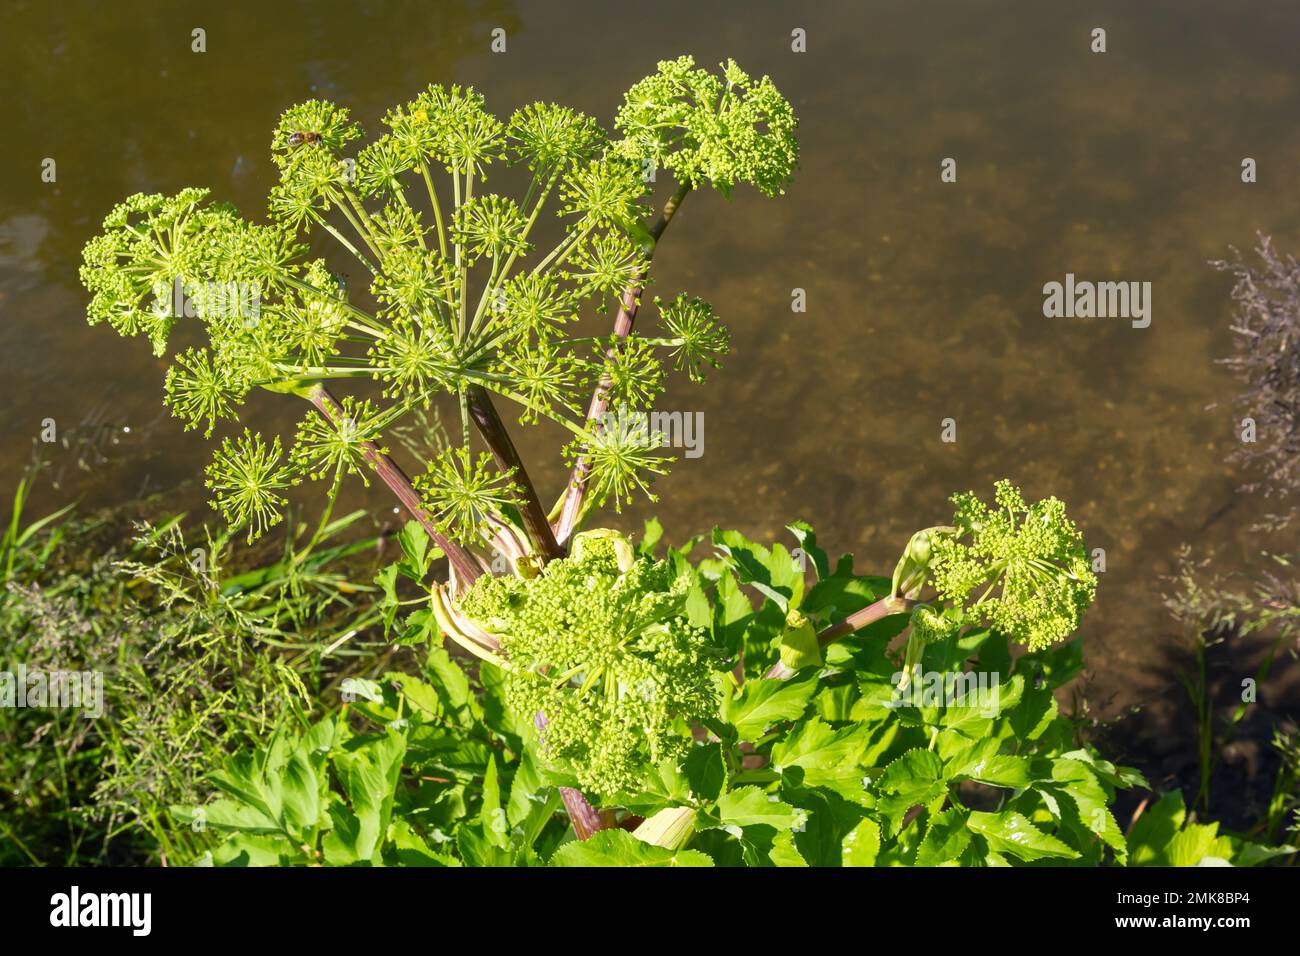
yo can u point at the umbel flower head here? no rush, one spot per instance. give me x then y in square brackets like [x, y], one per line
[621, 460]
[600, 652]
[247, 479]
[464, 493]
[703, 127]
[149, 243]
[697, 336]
[1018, 568]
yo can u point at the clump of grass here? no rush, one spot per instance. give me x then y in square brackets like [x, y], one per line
[1266, 331]
[1213, 610]
[198, 658]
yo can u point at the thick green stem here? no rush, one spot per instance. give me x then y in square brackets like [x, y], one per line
[507, 458]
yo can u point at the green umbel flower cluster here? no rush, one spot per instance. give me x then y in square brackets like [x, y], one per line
[148, 244]
[469, 491]
[697, 336]
[703, 127]
[601, 656]
[455, 297]
[1019, 568]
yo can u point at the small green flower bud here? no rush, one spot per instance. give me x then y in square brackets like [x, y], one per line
[930, 625]
[918, 549]
[799, 647]
[528, 566]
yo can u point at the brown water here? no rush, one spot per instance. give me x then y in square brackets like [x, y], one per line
[924, 298]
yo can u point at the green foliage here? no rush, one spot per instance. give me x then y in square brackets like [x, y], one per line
[201, 647]
[1164, 835]
[416, 772]
[840, 763]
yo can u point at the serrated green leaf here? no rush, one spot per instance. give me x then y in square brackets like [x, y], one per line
[492, 816]
[913, 769]
[706, 771]
[751, 806]
[825, 757]
[761, 703]
[862, 844]
[367, 769]
[732, 613]
[914, 779]
[981, 761]
[808, 544]
[1197, 842]
[1150, 835]
[477, 849]
[1011, 832]
[946, 839]
[1081, 786]
[771, 572]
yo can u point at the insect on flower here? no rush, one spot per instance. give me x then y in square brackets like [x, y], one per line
[302, 138]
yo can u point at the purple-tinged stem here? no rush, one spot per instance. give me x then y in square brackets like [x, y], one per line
[464, 564]
[585, 818]
[576, 491]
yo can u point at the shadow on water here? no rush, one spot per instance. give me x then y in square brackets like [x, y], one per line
[924, 298]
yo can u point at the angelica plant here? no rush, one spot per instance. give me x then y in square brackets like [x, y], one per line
[733, 708]
[461, 302]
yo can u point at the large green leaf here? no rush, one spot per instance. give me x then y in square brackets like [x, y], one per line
[945, 839]
[751, 806]
[772, 572]
[706, 771]
[862, 844]
[979, 760]
[1011, 832]
[1081, 786]
[824, 756]
[1150, 835]
[664, 785]
[1199, 844]
[761, 703]
[367, 769]
[914, 779]
[478, 849]
[492, 815]
[732, 614]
